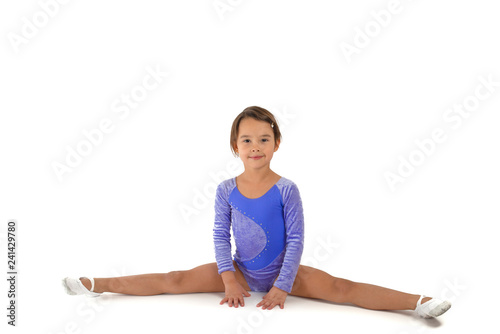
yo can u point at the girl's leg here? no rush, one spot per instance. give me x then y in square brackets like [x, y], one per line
[314, 283]
[204, 278]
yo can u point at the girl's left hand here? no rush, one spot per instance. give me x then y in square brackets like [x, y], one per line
[274, 297]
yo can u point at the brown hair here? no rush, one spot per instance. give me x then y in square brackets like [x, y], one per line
[259, 114]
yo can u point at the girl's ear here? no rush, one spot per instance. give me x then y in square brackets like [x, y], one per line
[276, 145]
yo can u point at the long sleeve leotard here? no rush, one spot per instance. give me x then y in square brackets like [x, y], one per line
[268, 233]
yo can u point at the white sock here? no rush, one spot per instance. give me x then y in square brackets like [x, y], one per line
[432, 308]
[75, 286]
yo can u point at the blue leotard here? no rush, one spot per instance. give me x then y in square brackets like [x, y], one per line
[268, 233]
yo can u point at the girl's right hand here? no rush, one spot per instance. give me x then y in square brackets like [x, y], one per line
[235, 294]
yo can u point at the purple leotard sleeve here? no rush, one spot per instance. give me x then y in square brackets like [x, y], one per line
[222, 230]
[294, 227]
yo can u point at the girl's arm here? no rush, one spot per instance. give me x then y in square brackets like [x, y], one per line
[235, 293]
[222, 231]
[294, 227]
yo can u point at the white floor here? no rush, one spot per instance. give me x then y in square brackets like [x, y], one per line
[59, 313]
[50, 310]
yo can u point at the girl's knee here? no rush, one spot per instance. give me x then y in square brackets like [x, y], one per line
[174, 277]
[342, 289]
[173, 280]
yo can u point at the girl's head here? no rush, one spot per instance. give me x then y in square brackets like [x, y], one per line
[255, 132]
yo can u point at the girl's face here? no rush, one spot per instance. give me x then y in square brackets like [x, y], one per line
[255, 143]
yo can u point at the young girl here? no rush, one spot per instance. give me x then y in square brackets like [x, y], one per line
[265, 211]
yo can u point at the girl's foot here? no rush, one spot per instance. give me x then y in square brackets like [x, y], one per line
[431, 307]
[75, 286]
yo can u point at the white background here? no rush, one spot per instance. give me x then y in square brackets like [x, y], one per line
[344, 125]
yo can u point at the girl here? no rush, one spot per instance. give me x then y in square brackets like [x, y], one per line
[265, 211]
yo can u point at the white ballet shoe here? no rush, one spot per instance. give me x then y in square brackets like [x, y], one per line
[74, 286]
[432, 308]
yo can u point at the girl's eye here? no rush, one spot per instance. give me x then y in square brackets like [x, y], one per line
[248, 140]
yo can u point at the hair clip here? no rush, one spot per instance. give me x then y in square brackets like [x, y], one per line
[272, 124]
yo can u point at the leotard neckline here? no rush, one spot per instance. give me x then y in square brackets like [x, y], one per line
[267, 192]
